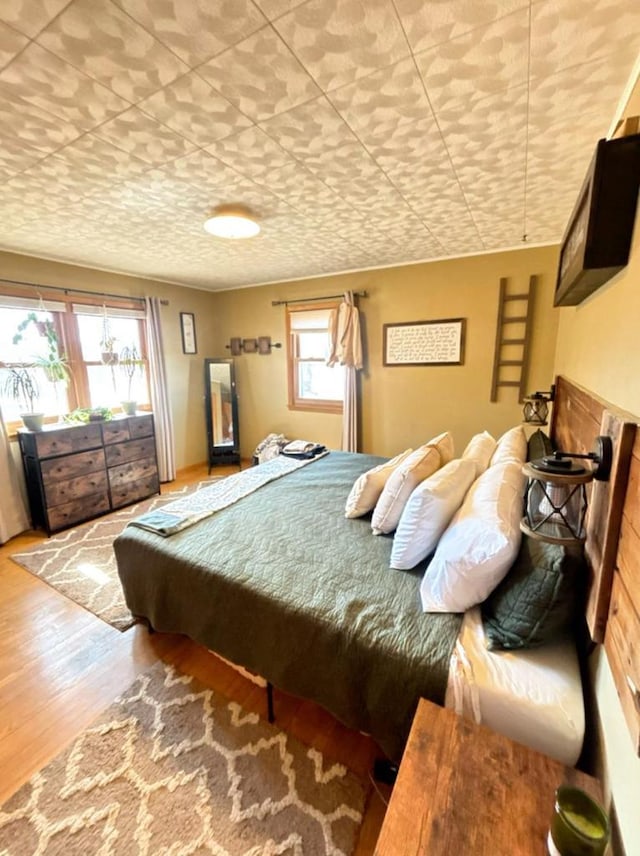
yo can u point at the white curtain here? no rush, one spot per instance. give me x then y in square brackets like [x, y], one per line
[14, 517]
[346, 349]
[159, 392]
[350, 411]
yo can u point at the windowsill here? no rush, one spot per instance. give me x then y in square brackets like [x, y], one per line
[12, 428]
[317, 407]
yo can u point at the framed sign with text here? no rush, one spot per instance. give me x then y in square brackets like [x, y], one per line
[424, 343]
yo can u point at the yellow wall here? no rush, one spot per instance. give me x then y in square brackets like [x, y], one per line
[401, 406]
[599, 347]
[185, 373]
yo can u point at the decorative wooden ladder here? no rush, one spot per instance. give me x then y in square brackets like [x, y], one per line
[511, 358]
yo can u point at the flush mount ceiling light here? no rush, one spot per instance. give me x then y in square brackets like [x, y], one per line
[232, 221]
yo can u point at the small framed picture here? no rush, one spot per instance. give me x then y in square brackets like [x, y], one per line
[264, 344]
[249, 346]
[188, 328]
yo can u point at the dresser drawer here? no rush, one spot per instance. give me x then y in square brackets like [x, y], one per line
[120, 453]
[115, 432]
[133, 491]
[131, 472]
[80, 509]
[70, 466]
[66, 491]
[141, 426]
[69, 439]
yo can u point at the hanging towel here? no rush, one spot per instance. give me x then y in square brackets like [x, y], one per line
[344, 335]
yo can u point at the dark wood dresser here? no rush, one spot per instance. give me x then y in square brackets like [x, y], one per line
[76, 472]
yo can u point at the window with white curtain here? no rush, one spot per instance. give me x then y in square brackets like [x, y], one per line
[312, 384]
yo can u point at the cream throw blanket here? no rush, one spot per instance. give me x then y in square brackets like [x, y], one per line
[188, 510]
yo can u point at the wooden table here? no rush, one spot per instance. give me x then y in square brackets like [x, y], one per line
[463, 790]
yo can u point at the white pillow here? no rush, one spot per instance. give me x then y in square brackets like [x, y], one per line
[401, 483]
[444, 444]
[367, 488]
[480, 449]
[479, 545]
[428, 511]
[512, 446]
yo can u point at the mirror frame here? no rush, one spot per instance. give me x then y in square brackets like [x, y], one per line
[227, 453]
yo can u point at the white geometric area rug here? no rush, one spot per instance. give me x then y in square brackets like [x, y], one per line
[173, 768]
[80, 562]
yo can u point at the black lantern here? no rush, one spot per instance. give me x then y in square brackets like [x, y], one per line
[536, 407]
[556, 497]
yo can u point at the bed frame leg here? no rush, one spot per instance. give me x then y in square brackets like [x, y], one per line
[385, 771]
[270, 714]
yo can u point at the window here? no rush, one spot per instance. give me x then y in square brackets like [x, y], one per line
[105, 338]
[312, 384]
[60, 348]
[32, 352]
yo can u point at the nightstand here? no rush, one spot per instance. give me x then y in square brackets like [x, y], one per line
[463, 790]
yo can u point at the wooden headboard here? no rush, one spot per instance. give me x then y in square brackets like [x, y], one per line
[613, 535]
[622, 639]
[578, 418]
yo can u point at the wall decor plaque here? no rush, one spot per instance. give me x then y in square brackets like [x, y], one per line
[424, 343]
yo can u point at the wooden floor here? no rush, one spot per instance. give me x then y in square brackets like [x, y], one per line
[61, 666]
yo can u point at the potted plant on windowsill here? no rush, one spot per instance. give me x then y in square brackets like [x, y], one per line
[130, 364]
[21, 385]
[53, 364]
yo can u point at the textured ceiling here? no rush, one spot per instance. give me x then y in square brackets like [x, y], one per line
[364, 133]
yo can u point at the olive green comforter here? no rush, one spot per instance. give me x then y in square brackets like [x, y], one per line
[281, 583]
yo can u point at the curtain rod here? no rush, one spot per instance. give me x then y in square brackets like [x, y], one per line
[71, 290]
[311, 299]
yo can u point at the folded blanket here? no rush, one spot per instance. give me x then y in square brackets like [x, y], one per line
[166, 522]
[188, 510]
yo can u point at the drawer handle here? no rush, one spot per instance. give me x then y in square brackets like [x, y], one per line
[635, 692]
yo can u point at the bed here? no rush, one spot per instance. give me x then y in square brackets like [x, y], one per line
[282, 584]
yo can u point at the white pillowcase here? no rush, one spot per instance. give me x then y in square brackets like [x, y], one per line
[428, 511]
[480, 449]
[512, 446]
[367, 488]
[404, 479]
[444, 444]
[479, 545]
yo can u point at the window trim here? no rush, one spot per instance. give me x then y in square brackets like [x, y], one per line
[295, 402]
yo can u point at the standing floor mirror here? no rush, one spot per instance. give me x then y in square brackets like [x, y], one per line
[221, 404]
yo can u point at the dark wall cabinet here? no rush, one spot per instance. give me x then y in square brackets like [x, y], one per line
[221, 406]
[597, 241]
[77, 472]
